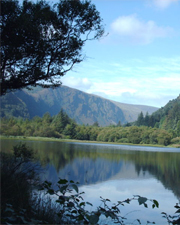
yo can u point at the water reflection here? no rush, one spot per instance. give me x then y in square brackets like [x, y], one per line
[96, 163]
[114, 172]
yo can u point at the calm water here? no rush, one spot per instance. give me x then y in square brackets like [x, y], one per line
[115, 172]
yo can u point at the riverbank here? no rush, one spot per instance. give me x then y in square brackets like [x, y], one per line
[82, 141]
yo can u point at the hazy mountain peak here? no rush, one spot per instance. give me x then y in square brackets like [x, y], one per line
[84, 108]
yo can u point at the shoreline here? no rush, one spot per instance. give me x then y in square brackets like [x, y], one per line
[82, 141]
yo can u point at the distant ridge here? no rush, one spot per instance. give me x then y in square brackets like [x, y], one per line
[131, 111]
[84, 108]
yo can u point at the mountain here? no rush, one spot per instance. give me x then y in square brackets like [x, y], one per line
[131, 112]
[84, 108]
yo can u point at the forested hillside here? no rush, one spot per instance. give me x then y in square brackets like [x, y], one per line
[167, 117]
[61, 126]
[84, 108]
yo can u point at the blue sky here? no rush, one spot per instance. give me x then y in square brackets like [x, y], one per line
[139, 61]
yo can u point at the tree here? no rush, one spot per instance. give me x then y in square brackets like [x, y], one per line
[47, 119]
[70, 129]
[164, 138]
[140, 119]
[178, 129]
[60, 121]
[41, 42]
[146, 119]
[119, 124]
[134, 135]
[96, 124]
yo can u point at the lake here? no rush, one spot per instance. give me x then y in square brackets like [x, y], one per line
[115, 172]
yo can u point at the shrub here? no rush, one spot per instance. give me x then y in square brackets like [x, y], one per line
[18, 177]
[123, 140]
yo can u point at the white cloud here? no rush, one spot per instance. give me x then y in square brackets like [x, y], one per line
[79, 83]
[152, 82]
[138, 31]
[162, 4]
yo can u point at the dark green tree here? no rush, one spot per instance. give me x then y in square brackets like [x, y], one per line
[41, 42]
[178, 129]
[140, 120]
[134, 135]
[152, 121]
[70, 129]
[96, 124]
[46, 119]
[146, 119]
[60, 121]
[119, 124]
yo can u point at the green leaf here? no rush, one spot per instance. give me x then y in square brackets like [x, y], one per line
[47, 184]
[82, 203]
[75, 187]
[89, 203]
[145, 205]
[127, 200]
[74, 211]
[93, 219]
[80, 217]
[50, 191]
[178, 211]
[77, 200]
[142, 200]
[62, 181]
[156, 203]
[71, 204]
[63, 189]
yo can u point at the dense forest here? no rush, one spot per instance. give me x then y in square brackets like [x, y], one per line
[62, 126]
[167, 117]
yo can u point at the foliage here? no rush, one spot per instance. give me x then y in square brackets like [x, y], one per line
[62, 126]
[173, 219]
[18, 177]
[13, 215]
[168, 117]
[73, 208]
[41, 42]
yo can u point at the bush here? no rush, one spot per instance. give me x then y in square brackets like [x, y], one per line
[18, 177]
[164, 138]
[123, 140]
[175, 140]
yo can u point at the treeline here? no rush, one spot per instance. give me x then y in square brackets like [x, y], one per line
[167, 117]
[61, 126]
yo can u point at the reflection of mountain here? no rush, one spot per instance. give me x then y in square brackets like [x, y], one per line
[96, 163]
[129, 173]
[93, 171]
[87, 170]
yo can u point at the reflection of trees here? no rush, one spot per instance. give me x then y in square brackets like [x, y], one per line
[169, 175]
[94, 163]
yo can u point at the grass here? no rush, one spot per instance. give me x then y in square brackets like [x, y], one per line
[81, 141]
